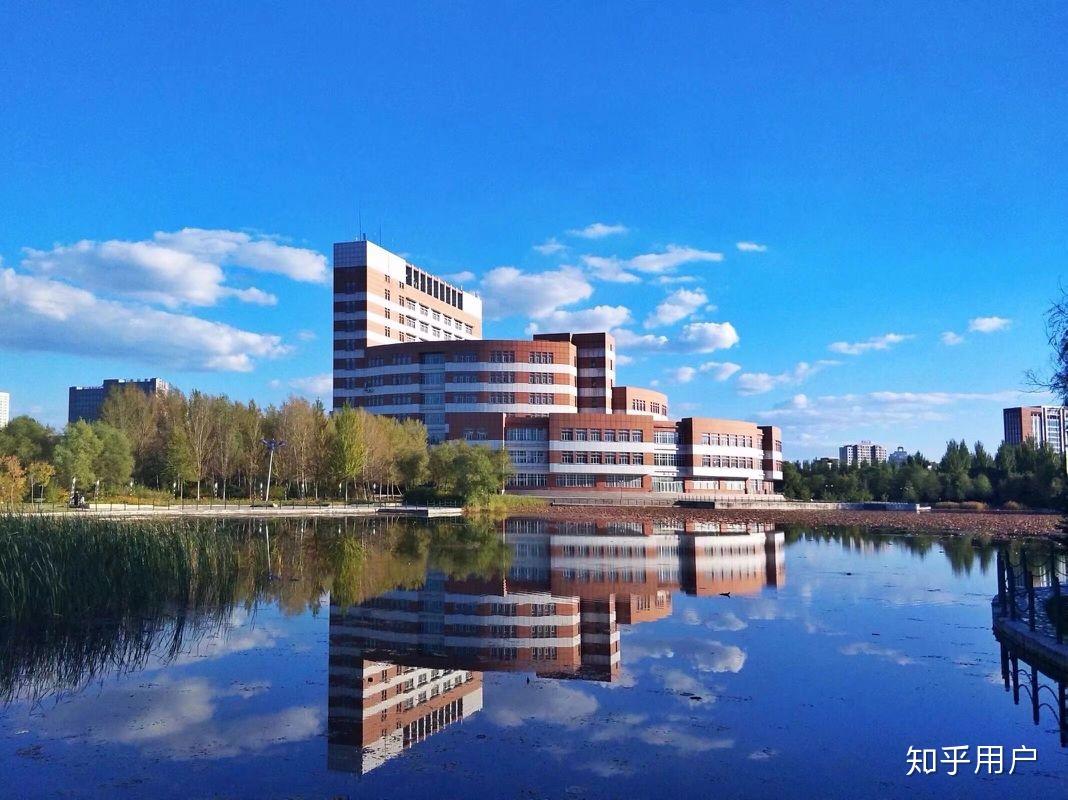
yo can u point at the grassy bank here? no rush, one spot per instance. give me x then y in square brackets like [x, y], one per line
[504, 504]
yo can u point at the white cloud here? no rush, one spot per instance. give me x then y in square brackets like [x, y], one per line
[622, 270]
[751, 247]
[464, 276]
[678, 305]
[951, 339]
[40, 315]
[750, 383]
[988, 324]
[321, 385]
[174, 269]
[306, 335]
[597, 230]
[609, 269]
[672, 280]
[550, 247]
[884, 342]
[682, 374]
[629, 340]
[720, 370]
[508, 291]
[706, 337]
[593, 319]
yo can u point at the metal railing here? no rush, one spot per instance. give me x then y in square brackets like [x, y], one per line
[1030, 588]
[1050, 694]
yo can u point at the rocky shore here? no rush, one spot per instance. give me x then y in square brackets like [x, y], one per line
[999, 524]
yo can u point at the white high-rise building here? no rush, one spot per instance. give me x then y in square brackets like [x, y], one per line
[5, 408]
[861, 453]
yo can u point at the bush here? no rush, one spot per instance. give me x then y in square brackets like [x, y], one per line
[973, 505]
[947, 505]
[1012, 505]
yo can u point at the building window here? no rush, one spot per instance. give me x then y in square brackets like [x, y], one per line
[502, 356]
[540, 357]
[665, 437]
[566, 435]
[541, 377]
[575, 480]
[637, 405]
[541, 399]
[665, 459]
[526, 434]
[502, 397]
[502, 377]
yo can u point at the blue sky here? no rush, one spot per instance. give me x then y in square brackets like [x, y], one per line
[901, 169]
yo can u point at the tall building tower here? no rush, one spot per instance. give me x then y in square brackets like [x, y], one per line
[379, 298]
[5, 409]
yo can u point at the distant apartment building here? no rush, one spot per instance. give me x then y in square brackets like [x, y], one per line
[5, 409]
[899, 456]
[1040, 424]
[410, 662]
[409, 345]
[864, 452]
[85, 402]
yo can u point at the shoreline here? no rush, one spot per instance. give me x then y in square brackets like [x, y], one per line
[995, 524]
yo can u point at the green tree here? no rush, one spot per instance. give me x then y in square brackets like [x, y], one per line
[76, 454]
[178, 459]
[349, 455]
[27, 439]
[115, 462]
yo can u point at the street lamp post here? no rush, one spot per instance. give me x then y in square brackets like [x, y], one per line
[271, 445]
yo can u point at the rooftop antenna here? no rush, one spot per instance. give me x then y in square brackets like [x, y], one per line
[359, 221]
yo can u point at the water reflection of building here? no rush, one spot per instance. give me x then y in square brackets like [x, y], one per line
[408, 663]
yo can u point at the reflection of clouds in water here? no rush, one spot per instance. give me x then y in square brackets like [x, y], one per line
[815, 626]
[712, 656]
[677, 737]
[675, 680]
[707, 655]
[543, 701]
[176, 720]
[674, 732]
[763, 755]
[765, 608]
[868, 649]
[638, 652]
[609, 769]
[728, 621]
[720, 621]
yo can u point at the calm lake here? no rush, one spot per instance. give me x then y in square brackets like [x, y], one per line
[353, 658]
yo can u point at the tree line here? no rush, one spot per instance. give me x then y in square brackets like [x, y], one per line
[1017, 474]
[210, 446]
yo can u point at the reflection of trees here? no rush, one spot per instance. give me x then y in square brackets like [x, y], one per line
[962, 552]
[82, 598]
